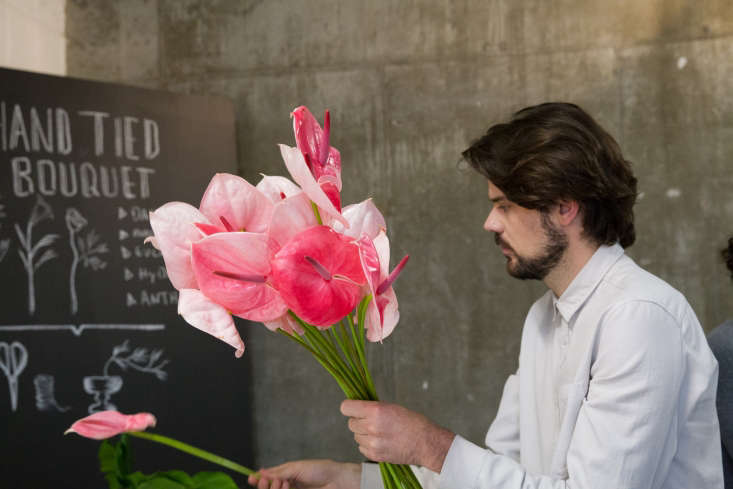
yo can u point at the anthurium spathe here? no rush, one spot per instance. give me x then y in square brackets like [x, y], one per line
[202, 313]
[296, 165]
[106, 424]
[233, 204]
[323, 160]
[364, 219]
[290, 216]
[174, 228]
[319, 275]
[277, 188]
[382, 312]
[233, 270]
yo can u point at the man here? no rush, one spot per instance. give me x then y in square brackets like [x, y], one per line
[616, 384]
[721, 343]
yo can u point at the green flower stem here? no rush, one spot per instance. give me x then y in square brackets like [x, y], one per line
[197, 452]
[335, 360]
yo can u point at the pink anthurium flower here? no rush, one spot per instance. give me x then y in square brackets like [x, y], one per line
[323, 160]
[233, 270]
[202, 313]
[290, 216]
[382, 313]
[363, 218]
[233, 204]
[174, 226]
[277, 188]
[295, 162]
[106, 424]
[319, 275]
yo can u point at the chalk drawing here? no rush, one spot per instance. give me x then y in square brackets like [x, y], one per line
[78, 330]
[45, 395]
[83, 250]
[41, 211]
[102, 387]
[13, 359]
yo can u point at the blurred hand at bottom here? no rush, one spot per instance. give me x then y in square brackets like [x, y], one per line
[307, 474]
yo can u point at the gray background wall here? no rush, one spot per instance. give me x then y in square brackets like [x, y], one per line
[409, 85]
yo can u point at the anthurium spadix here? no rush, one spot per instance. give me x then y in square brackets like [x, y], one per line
[233, 270]
[319, 275]
[296, 165]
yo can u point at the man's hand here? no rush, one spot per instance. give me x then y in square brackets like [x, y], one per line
[309, 474]
[391, 433]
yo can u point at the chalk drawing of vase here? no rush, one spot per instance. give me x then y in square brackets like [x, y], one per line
[102, 387]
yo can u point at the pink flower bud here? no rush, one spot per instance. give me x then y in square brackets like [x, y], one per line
[106, 424]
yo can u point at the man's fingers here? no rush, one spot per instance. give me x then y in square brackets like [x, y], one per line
[359, 426]
[357, 409]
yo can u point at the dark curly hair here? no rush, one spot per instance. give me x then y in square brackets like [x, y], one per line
[556, 151]
[727, 254]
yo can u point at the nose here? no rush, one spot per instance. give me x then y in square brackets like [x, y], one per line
[492, 223]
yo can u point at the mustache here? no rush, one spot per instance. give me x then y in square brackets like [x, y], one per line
[501, 242]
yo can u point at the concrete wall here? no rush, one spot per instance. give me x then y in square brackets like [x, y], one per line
[410, 84]
[32, 36]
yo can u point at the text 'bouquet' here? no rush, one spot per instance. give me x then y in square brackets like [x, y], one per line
[288, 255]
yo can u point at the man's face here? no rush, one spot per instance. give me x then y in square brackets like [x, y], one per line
[531, 243]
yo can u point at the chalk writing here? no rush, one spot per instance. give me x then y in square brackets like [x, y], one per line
[78, 330]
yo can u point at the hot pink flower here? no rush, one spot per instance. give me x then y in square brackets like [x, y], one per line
[106, 424]
[233, 269]
[382, 313]
[323, 160]
[319, 275]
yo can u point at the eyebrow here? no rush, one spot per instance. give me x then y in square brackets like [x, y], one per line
[498, 199]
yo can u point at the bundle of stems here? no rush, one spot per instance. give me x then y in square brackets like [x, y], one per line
[340, 349]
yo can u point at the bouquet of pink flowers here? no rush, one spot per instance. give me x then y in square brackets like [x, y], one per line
[286, 254]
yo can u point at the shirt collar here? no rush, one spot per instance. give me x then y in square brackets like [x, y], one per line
[586, 280]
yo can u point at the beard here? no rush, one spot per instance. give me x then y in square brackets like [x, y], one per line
[537, 267]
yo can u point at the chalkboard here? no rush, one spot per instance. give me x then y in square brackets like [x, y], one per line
[88, 318]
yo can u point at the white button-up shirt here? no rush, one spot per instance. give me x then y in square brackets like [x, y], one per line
[615, 389]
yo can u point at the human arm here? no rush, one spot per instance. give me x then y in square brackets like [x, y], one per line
[309, 474]
[624, 435]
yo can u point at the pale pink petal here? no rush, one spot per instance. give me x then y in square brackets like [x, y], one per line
[106, 424]
[381, 244]
[277, 188]
[209, 317]
[369, 262]
[364, 218]
[287, 323]
[291, 216]
[386, 304]
[174, 227]
[236, 200]
[298, 169]
[246, 255]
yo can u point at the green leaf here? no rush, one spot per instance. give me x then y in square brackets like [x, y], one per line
[213, 480]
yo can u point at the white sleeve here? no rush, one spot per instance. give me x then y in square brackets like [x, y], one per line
[503, 434]
[625, 435]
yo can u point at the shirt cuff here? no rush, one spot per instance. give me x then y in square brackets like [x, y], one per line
[462, 464]
[371, 476]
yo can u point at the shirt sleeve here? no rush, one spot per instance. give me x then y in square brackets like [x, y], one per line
[625, 434]
[503, 434]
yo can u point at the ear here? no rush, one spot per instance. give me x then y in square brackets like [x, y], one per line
[566, 211]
